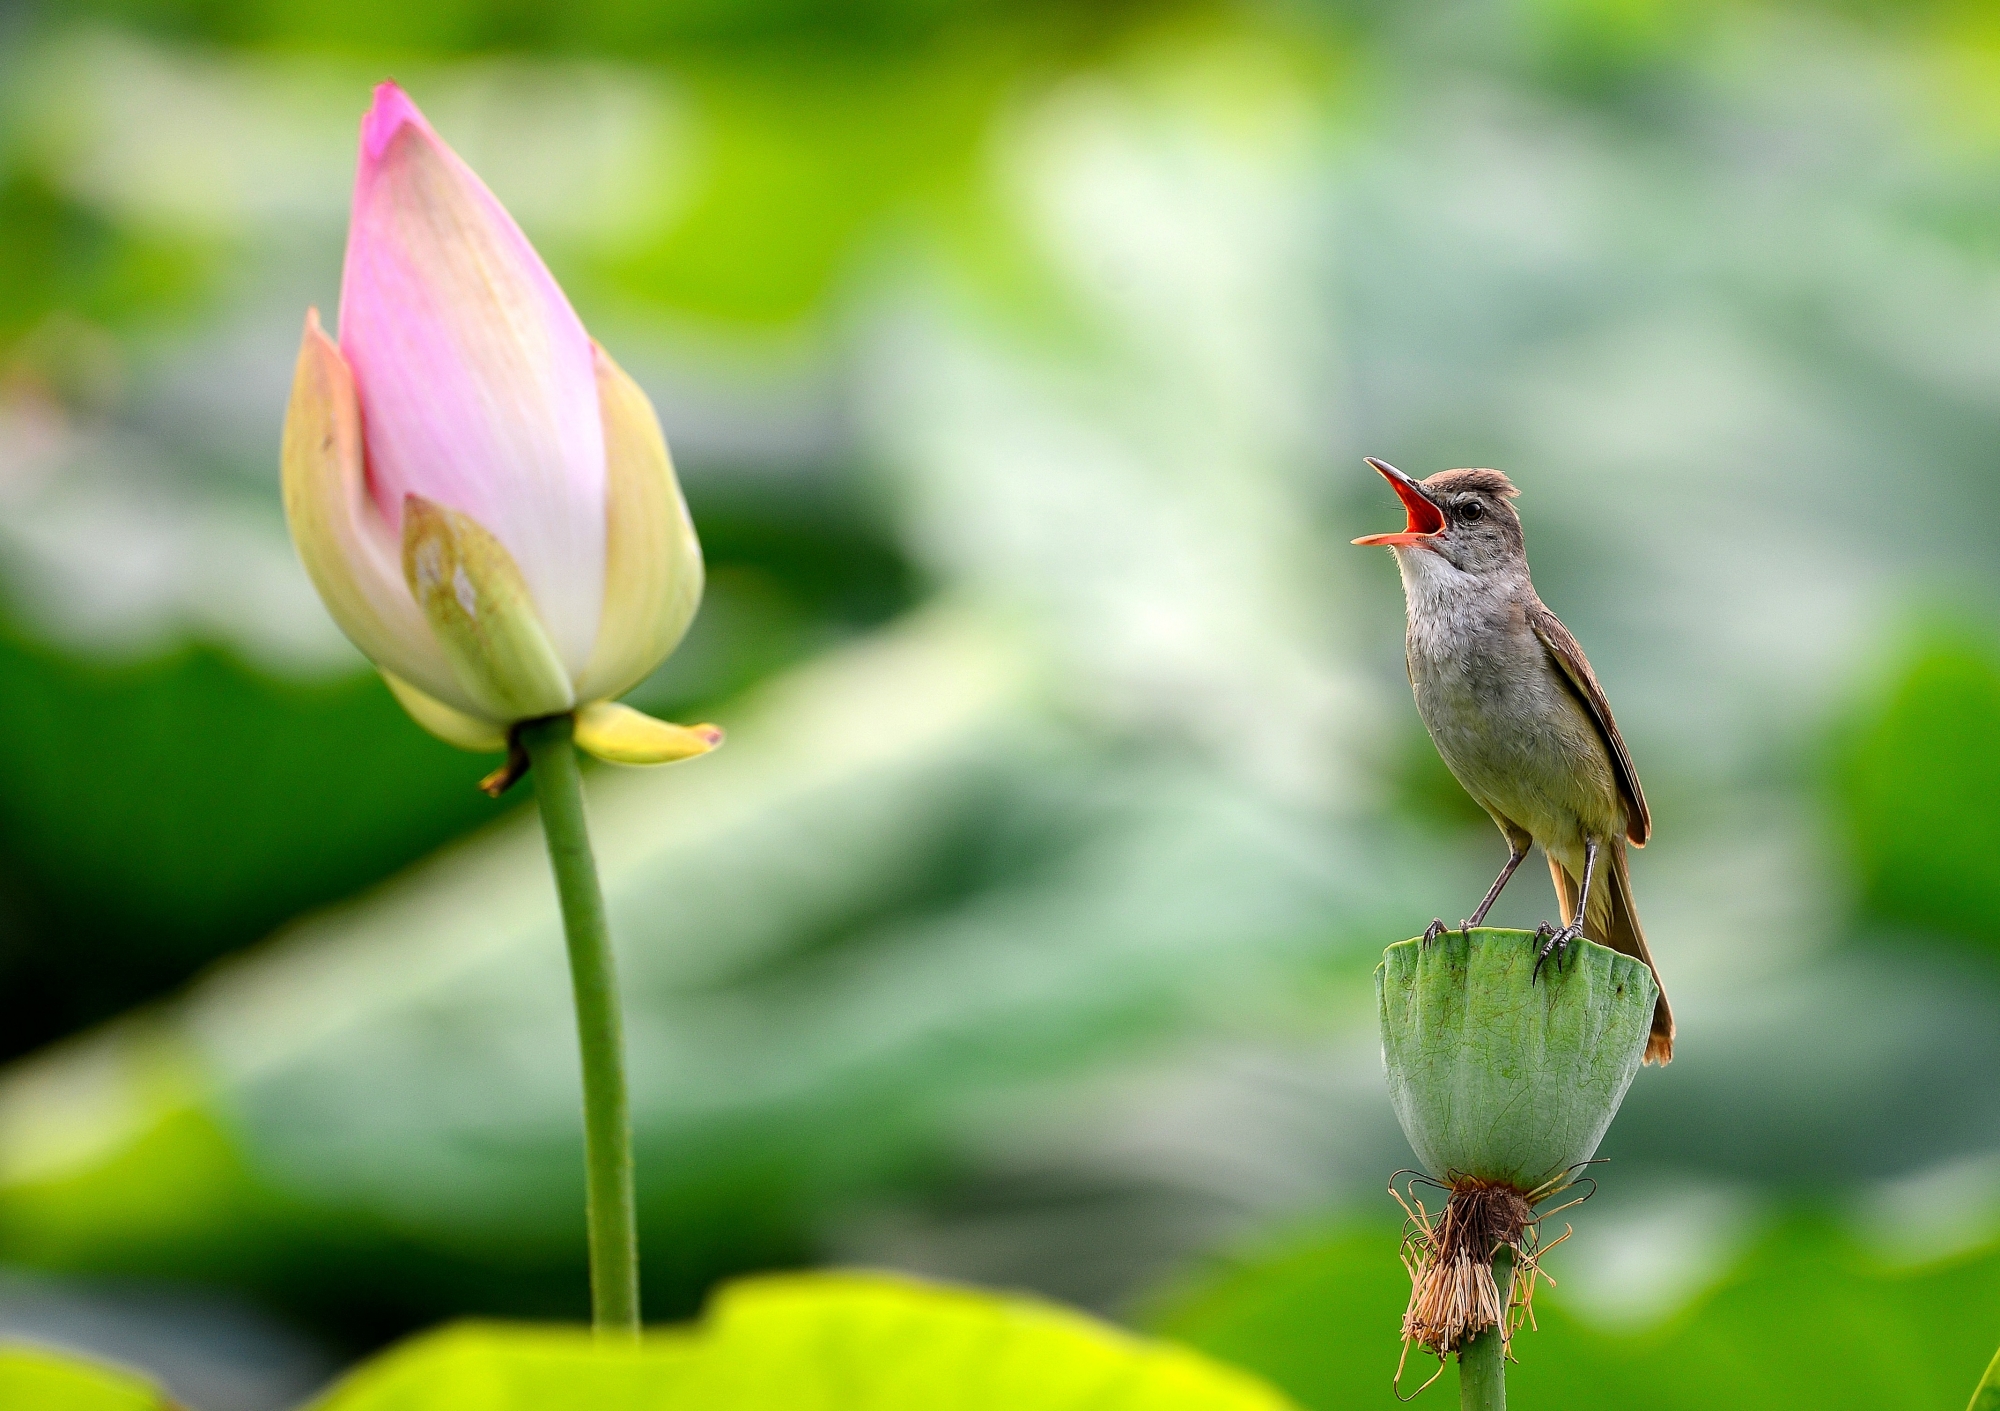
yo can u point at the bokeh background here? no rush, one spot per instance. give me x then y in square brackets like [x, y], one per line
[1018, 359]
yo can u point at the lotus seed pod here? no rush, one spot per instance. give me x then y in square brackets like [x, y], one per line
[1497, 1074]
[1505, 1080]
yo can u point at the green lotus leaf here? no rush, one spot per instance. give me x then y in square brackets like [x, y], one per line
[1500, 1074]
[1987, 1397]
[811, 1342]
[33, 1377]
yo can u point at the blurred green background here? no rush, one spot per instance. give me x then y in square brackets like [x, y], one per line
[1018, 360]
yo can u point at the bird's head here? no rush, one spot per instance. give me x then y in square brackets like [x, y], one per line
[1462, 515]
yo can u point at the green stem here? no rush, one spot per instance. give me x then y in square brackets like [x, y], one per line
[607, 1121]
[1482, 1363]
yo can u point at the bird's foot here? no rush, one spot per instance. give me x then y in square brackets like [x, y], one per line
[1555, 941]
[1438, 928]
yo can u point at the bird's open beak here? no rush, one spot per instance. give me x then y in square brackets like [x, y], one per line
[1426, 519]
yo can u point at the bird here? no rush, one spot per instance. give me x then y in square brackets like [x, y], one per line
[1518, 715]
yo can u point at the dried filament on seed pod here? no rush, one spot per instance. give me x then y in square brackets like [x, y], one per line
[1450, 1255]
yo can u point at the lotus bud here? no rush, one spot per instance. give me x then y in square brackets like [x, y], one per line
[483, 499]
[1505, 1076]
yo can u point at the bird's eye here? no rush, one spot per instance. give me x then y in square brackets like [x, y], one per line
[1471, 511]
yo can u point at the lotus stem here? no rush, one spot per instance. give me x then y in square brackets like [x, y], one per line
[1482, 1362]
[610, 1208]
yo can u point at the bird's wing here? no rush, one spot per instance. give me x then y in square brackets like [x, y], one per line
[1569, 656]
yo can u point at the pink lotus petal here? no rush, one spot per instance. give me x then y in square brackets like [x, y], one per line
[476, 379]
[392, 109]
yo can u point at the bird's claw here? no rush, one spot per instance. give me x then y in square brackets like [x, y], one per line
[1438, 928]
[1555, 941]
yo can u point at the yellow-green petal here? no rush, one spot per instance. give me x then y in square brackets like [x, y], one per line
[454, 727]
[652, 560]
[348, 549]
[619, 734]
[472, 594]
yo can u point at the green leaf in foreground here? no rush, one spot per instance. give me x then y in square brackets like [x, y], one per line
[1987, 1397]
[34, 1379]
[811, 1342]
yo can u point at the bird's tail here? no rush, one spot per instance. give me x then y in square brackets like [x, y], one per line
[1613, 921]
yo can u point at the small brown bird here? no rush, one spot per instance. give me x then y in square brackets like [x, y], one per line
[1517, 713]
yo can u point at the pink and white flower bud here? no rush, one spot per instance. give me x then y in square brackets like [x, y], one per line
[482, 497]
